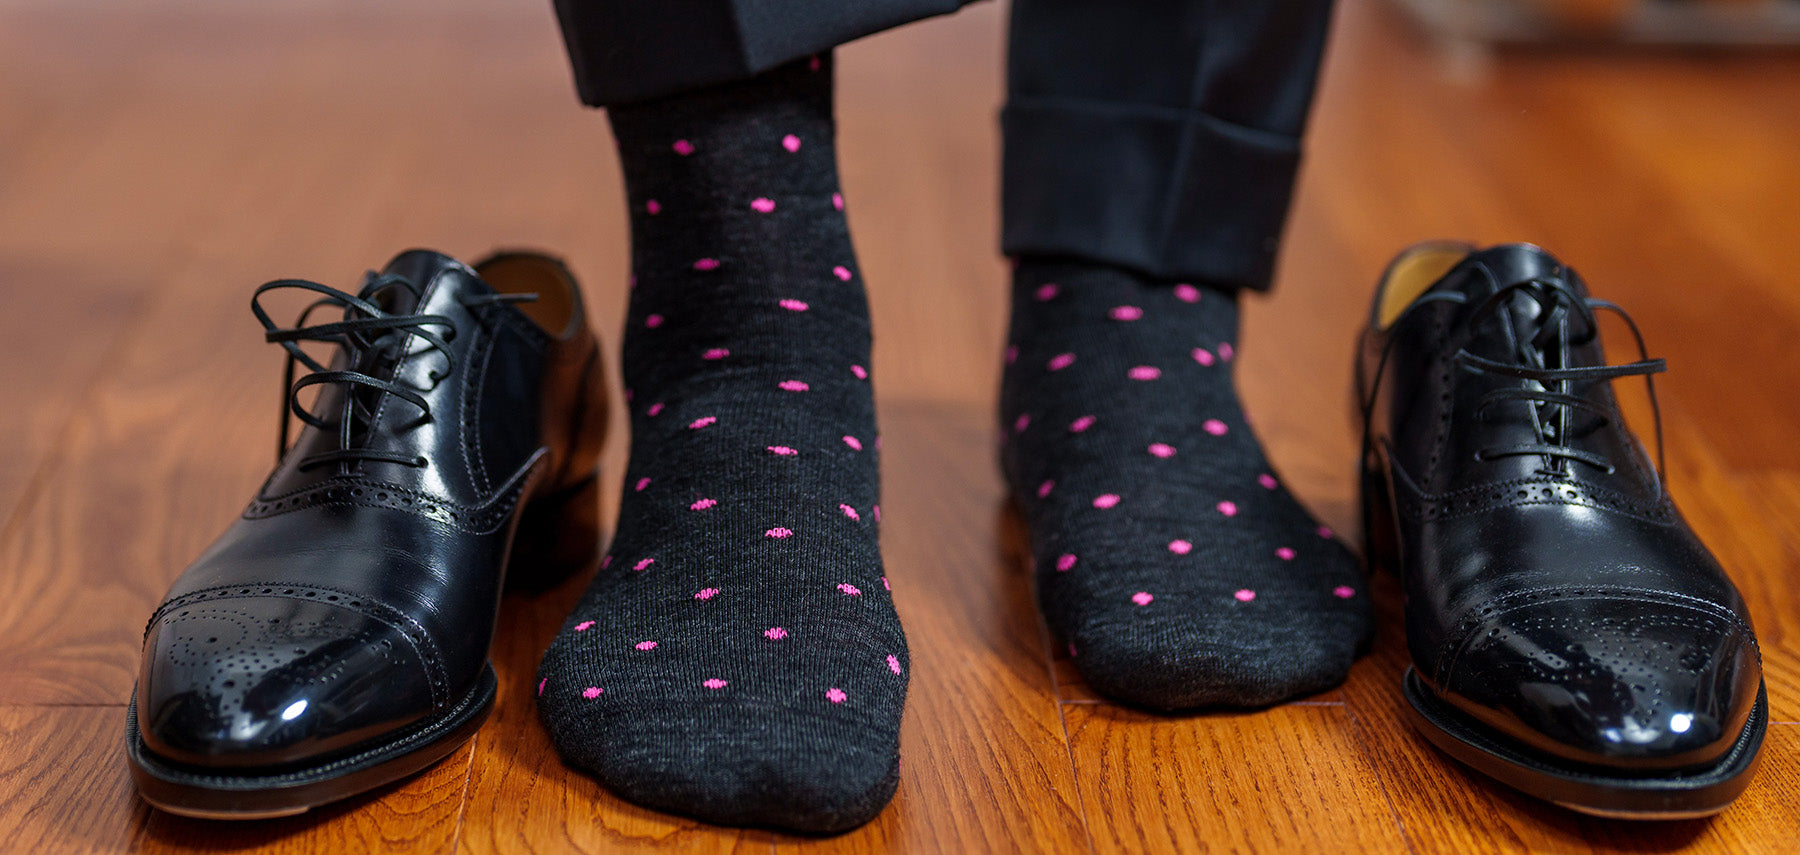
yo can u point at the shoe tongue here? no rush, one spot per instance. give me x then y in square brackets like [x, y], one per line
[418, 267]
[1510, 263]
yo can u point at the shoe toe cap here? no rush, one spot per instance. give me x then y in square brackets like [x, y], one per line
[1611, 682]
[264, 681]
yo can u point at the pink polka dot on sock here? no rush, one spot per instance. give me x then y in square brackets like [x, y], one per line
[1143, 598]
[794, 305]
[715, 684]
[841, 272]
[643, 565]
[605, 561]
[854, 443]
[835, 695]
[1225, 351]
[893, 663]
[1343, 592]
[1045, 488]
[683, 147]
[701, 422]
[1245, 595]
[782, 451]
[775, 633]
[1060, 361]
[1267, 481]
[642, 483]
[1012, 354]
[1203, 356]
[1081, 424]
[1065, 563]
[849, 512]
[1021, 423]
[1045, 292]
[592, 692]
[584, 626]
[653, 321]
[702, 505]
[653, 207]
[1106, 500]
[715, 353]
[1162, 449]
[779, 532]
[541, 684]
[794, 385]
[1228, 508]
[849, 589]
[706, 593]
[837, 201]
[875, 511]
[1180, 547]
[860, 372]
[1324, 532]
[707, 264]
[1285, 553]
[1144, 372]
[1214, 427]
[645, 645]
[654, 409]
[763, 205]
[790, 142]
[884, 584]
[1187, 293]
[1125, 313]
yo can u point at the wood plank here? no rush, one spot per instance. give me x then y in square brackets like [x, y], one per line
[1290, 779]
[63, 784]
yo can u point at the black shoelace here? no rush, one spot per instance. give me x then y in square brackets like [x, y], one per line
[1564, 320]
[373, 341]
[1551, 388]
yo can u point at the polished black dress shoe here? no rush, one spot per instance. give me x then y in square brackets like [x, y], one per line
[335, 638]
[1570, 635]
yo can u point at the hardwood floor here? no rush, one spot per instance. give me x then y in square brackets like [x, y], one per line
[157, 162]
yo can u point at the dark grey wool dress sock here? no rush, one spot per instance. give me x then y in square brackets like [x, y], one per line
[1170, 558]
[738, 658]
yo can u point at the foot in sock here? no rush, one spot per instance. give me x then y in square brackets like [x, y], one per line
[1170, 558]
[738, 657]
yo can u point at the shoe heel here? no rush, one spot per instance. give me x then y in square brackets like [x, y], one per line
[1381, 542]
[558, 536]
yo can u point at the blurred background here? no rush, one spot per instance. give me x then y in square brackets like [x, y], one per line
[160, 159]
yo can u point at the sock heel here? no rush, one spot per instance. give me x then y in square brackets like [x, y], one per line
[558, 536]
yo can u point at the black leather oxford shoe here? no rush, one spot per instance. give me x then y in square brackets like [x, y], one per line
[335, 638]
[1570, 635]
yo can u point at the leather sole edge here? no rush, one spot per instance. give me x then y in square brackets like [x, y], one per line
[249, 795]
[1584, 789]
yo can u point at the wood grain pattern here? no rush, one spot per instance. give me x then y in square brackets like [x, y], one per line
[156, 164]
[1272, 781]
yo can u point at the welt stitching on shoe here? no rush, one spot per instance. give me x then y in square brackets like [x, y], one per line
[411, 629]
[1450, 650]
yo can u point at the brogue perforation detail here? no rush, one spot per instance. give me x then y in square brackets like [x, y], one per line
[344, 492]
[1466, 631]
[1414, 503]
[182, 608]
